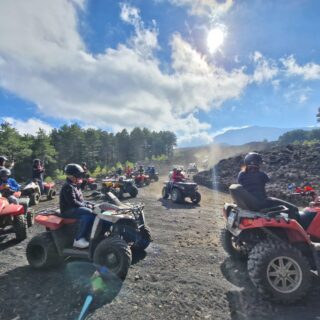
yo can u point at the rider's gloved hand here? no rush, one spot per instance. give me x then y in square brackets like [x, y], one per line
[89, 205]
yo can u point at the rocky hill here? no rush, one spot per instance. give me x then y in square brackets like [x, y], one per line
[291, 164]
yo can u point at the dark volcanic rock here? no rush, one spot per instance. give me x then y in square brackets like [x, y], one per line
[291, 164]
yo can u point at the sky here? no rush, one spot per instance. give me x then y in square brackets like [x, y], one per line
[195, 67]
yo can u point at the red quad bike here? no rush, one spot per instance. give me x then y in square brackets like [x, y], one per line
[90, 183]
[28, 214]
[117, 228]
[280, 251]
[13, 215]
[142, 179]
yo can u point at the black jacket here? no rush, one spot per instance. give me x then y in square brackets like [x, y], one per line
[70, 197]
[254, 182]
[37, 172]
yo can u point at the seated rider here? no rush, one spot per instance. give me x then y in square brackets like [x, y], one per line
[72, 204]
[178, 176]
[3, 161]
[8, 186]
[86, 175]
[37, 173]
[141, 170]
[254, 181]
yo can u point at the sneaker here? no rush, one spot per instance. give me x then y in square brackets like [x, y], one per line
[81, 243]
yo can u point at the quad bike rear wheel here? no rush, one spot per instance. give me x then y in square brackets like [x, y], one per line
[19, 224]
[34, 198]
[144, 239]
[279, 271]
[165, 194]
[230, 244]
[42, 251]
[176, 195]
[197, 198]
[115, 254]
[133, 191]
[51, 194]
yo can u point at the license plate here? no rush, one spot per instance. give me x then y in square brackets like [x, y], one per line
[231, 219]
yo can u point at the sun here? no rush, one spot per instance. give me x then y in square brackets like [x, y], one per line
[215, 39]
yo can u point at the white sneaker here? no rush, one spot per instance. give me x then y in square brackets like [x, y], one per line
[81, 243]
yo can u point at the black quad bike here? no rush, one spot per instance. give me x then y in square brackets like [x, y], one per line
[178, 191]
[119, 187]
[117, 228]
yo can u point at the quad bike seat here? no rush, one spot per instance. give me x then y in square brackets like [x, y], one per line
[53, 220]
[243, 198]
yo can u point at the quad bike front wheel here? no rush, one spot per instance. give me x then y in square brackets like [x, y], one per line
[231, 246]
[279, 271]
[19, 224]
[133, 191]
[51, 194]
[34, 198]
[144, 239]
[42, 251]
[165, 194]
[197, 198]
[115, 254]
[176, 195]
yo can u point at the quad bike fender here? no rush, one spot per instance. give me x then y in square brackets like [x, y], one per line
[53, 222]
[12, 210]
[292, 228]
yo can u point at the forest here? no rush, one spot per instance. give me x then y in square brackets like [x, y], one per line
[101, 150]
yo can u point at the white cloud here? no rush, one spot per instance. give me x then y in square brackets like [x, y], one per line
[310, 71]
[44, 60]
[211, 8]
[226, 129]
[29, 126]
[297, 94]
[265, 69]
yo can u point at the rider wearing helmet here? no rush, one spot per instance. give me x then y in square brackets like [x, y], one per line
[37, 173]
[177, 175]
[8, 186]
[72, 204]
[86, 175]
[3, 161]
[254, 181]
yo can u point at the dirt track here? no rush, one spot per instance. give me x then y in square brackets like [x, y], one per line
[184, 274]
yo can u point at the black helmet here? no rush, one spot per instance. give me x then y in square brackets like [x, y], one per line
[84, 164]
[73, 169]
[36, 161]
[5, 173]
[253, 159]
[3, 158]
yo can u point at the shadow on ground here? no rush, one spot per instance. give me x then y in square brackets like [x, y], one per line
[57, 293]
[245, 303]
[168, 204]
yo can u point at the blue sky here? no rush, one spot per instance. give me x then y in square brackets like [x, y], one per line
[111, 64]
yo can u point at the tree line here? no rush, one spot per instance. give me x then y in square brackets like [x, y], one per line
[71, 143]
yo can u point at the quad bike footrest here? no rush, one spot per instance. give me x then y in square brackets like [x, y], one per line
[77, 253]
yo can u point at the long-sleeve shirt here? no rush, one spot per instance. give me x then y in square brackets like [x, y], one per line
[70, 197]
[254, 182]
[37, 172]
[11, 183]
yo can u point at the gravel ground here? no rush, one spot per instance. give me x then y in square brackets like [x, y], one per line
[184, 274]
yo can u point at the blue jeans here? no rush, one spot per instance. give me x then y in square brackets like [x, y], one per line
[86, 218]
